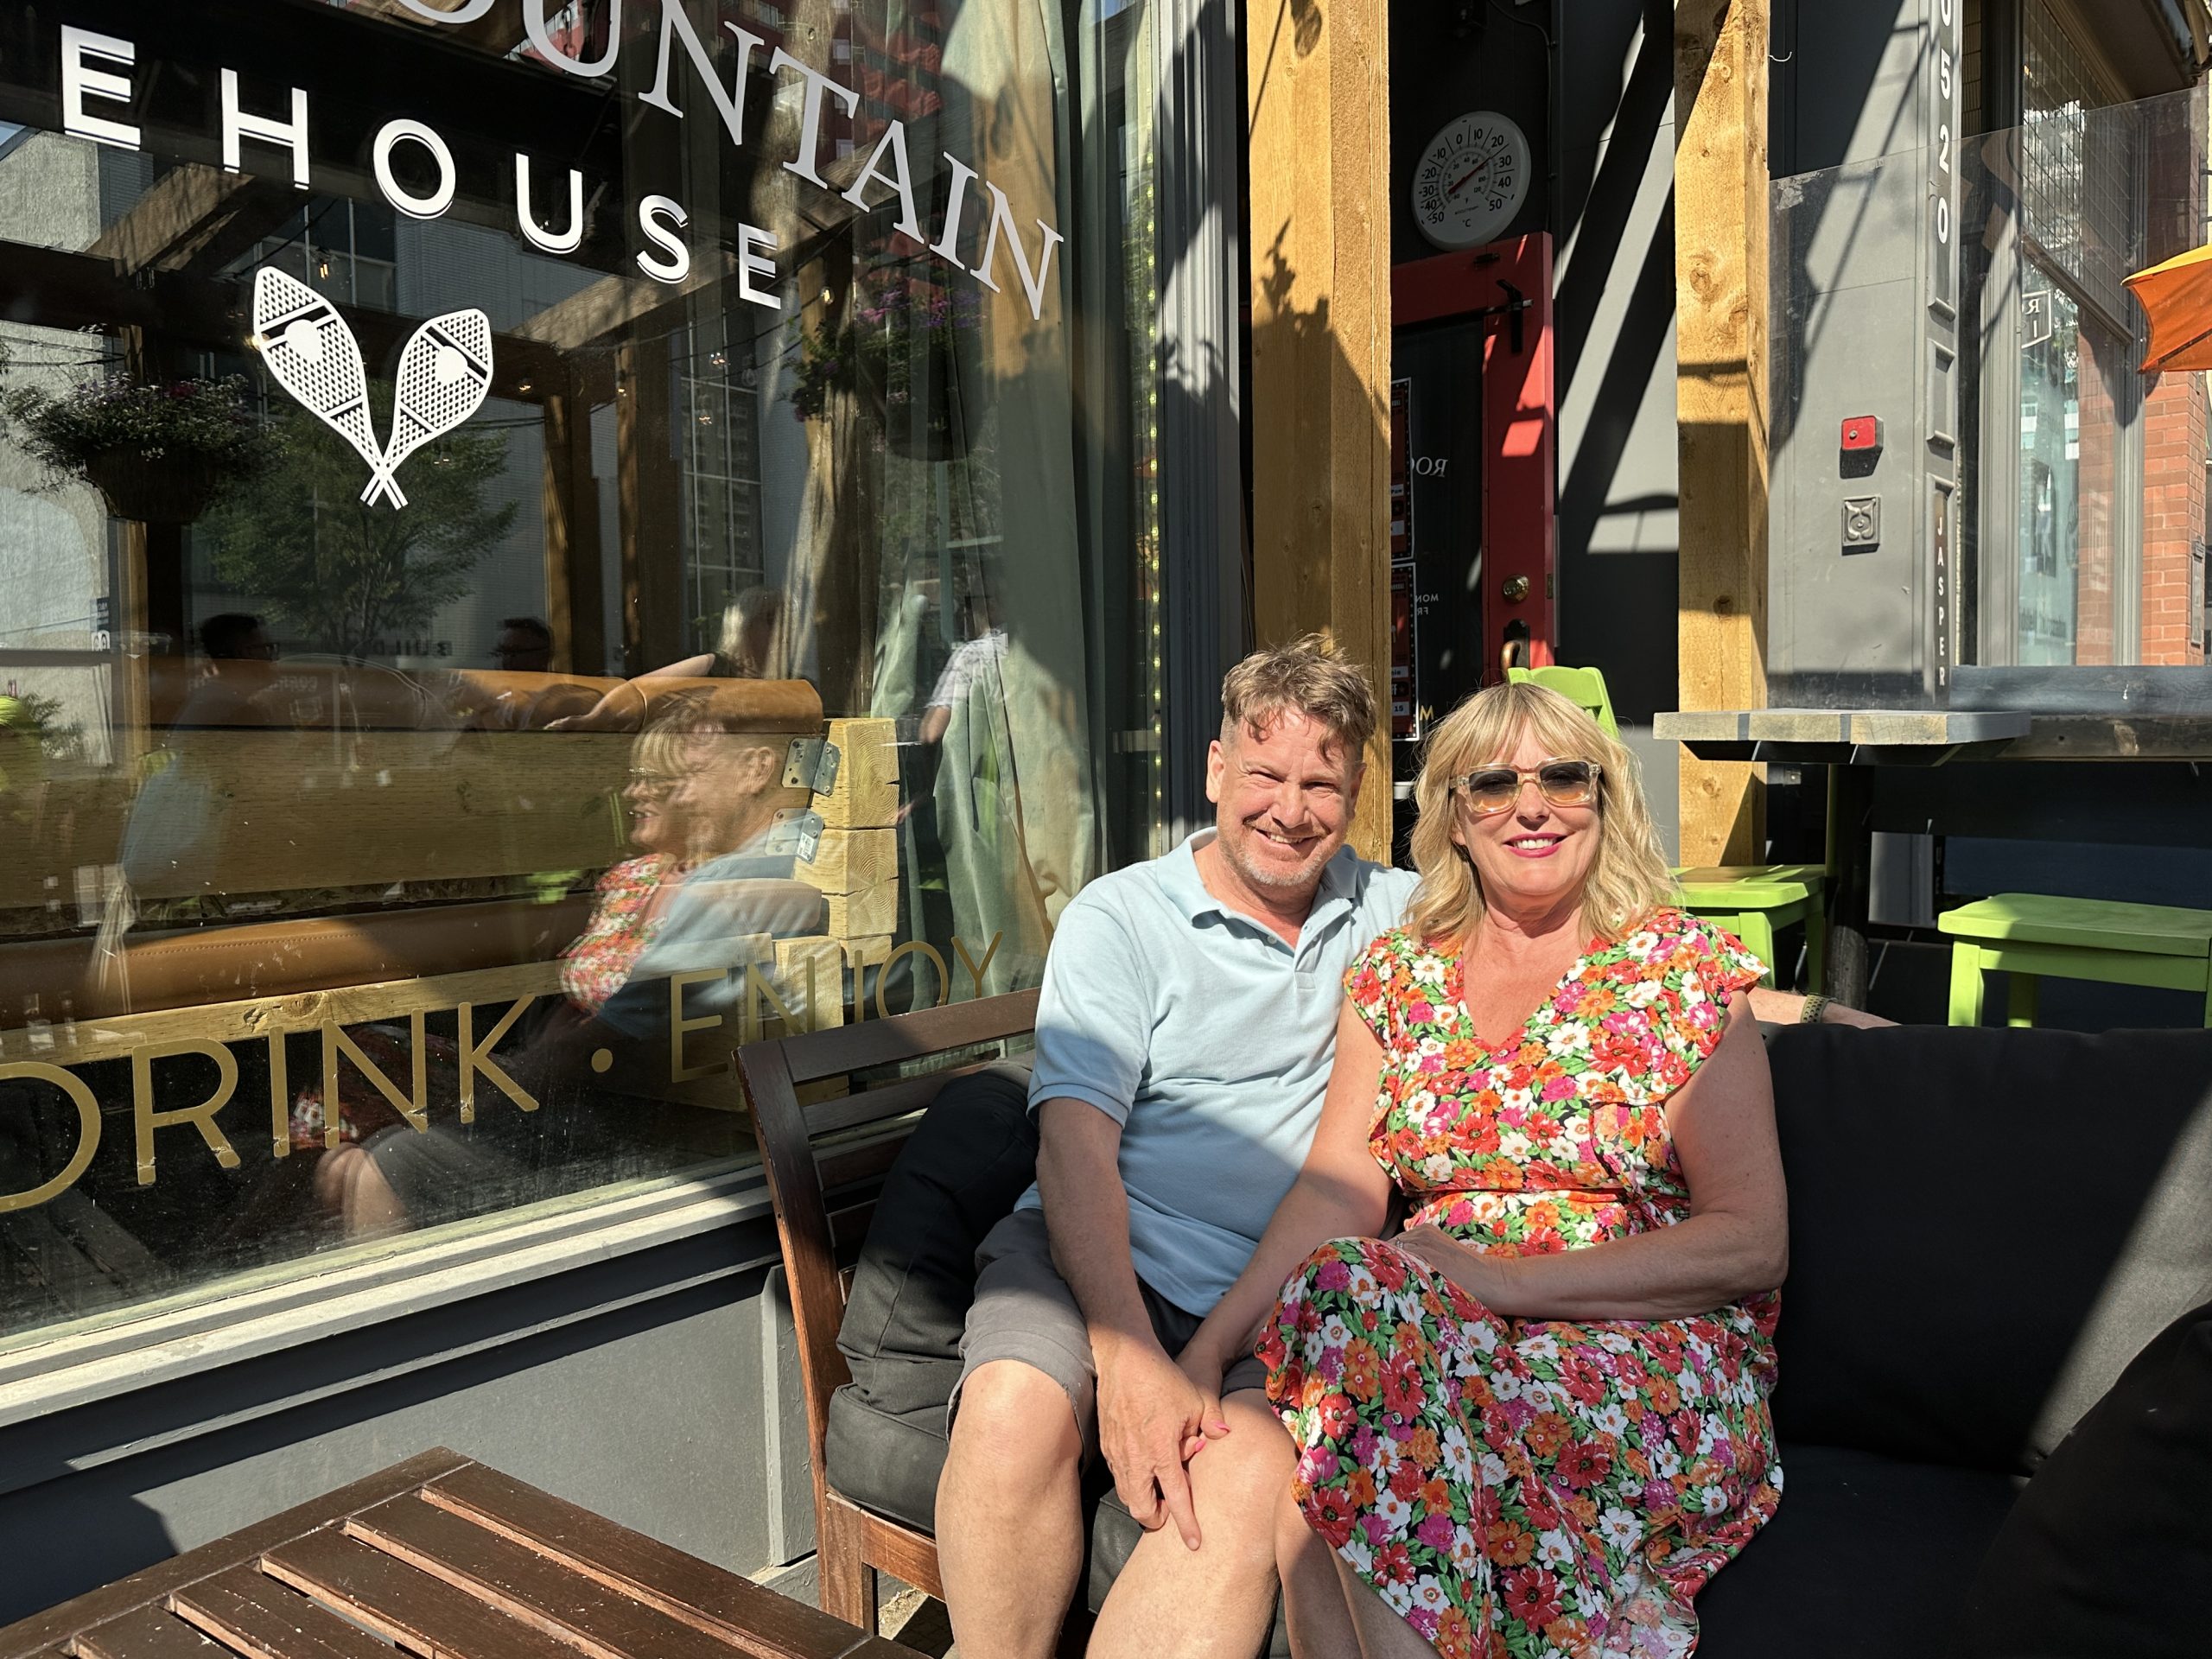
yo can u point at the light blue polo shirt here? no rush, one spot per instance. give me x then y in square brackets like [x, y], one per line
[1209, 1040]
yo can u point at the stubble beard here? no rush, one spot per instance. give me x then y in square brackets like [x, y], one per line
[1306, 876]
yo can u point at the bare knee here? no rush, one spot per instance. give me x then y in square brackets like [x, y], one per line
[1015, 1425]
[1239, 1480]
[349, 1180]
[334, 1174]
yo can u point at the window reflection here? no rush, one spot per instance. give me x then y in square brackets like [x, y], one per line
[755, 656]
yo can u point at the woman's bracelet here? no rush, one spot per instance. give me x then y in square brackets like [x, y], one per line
[1814, 1008]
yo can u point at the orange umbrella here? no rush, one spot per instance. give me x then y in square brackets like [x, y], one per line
[2177, 298]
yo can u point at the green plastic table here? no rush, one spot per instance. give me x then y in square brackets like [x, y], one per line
[2030, 935]
[1752, 900]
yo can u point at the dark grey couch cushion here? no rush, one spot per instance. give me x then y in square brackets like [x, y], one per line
[1985, 1226]
[887, 1461]
[1868, 1555]
[974, 1154]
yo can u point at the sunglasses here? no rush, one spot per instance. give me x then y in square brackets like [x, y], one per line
[1562, 782]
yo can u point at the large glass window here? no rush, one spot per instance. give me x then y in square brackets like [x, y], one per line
[2078, 405]
[2026, 494]
[526, 560]
[2080, 230]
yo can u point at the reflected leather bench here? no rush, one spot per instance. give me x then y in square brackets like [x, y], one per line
[188, 967]
[188, 694]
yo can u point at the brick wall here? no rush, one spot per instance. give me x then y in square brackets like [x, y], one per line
[2175, 436]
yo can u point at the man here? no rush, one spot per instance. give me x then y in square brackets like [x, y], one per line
[235, 636]
[1183, 1042]
[524, 644]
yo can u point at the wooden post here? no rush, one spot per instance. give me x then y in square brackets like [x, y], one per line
[1319, 140]
[572, 605]
[652, 509]
[1720, 295]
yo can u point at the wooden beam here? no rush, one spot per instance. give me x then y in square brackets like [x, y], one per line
[630, 306]
[1720, 288]
[572, 606]
[195, 219]
[498, 32]
[78, 290]
[652, 505]
[1320, 143]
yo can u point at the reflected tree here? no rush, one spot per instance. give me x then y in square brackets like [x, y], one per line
[343, 577]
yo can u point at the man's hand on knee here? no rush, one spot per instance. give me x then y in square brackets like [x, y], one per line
[1151, 1419]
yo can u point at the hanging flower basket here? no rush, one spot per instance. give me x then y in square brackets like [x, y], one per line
[159, 454]
[155, 487]
[910, 354]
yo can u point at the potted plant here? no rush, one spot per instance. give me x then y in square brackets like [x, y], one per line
[159, 454]
[909, 349]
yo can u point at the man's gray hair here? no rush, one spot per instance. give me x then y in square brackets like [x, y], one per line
[1311, 677]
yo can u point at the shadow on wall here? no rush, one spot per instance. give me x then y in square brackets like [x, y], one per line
[1614, 314]
[1326, 564]
[111, 1536]
[1615, 305]
[1318, 398]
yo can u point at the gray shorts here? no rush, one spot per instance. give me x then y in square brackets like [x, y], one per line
[1024, 1310]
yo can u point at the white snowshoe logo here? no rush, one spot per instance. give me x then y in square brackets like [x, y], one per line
[444, 373]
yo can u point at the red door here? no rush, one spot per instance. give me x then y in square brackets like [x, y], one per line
[1500, 297]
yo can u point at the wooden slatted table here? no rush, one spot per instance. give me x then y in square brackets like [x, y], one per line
[442, 1558]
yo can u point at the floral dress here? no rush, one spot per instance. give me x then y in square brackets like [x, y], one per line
[623, 923]
[1531, 1488]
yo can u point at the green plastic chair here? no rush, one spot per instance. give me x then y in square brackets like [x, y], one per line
[1583, 687]
[1755, 901]
[2028, 936]
[1752, 901]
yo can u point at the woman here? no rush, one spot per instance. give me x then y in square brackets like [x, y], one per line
[1537, 1420]
[376, 1180]
[633, 895]
[698, 795]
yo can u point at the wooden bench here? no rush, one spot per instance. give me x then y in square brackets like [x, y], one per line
[438, 1556]
[823, 1162]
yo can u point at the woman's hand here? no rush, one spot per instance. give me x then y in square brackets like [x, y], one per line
[1481, 1276]
[1205, 1368]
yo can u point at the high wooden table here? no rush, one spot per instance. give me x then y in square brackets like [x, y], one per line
[1845, 741]
[445, 1559]
[2026, 716]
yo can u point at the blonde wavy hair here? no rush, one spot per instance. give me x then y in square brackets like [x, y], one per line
[1629, 877]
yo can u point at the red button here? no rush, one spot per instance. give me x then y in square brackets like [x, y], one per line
[1862, 432]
